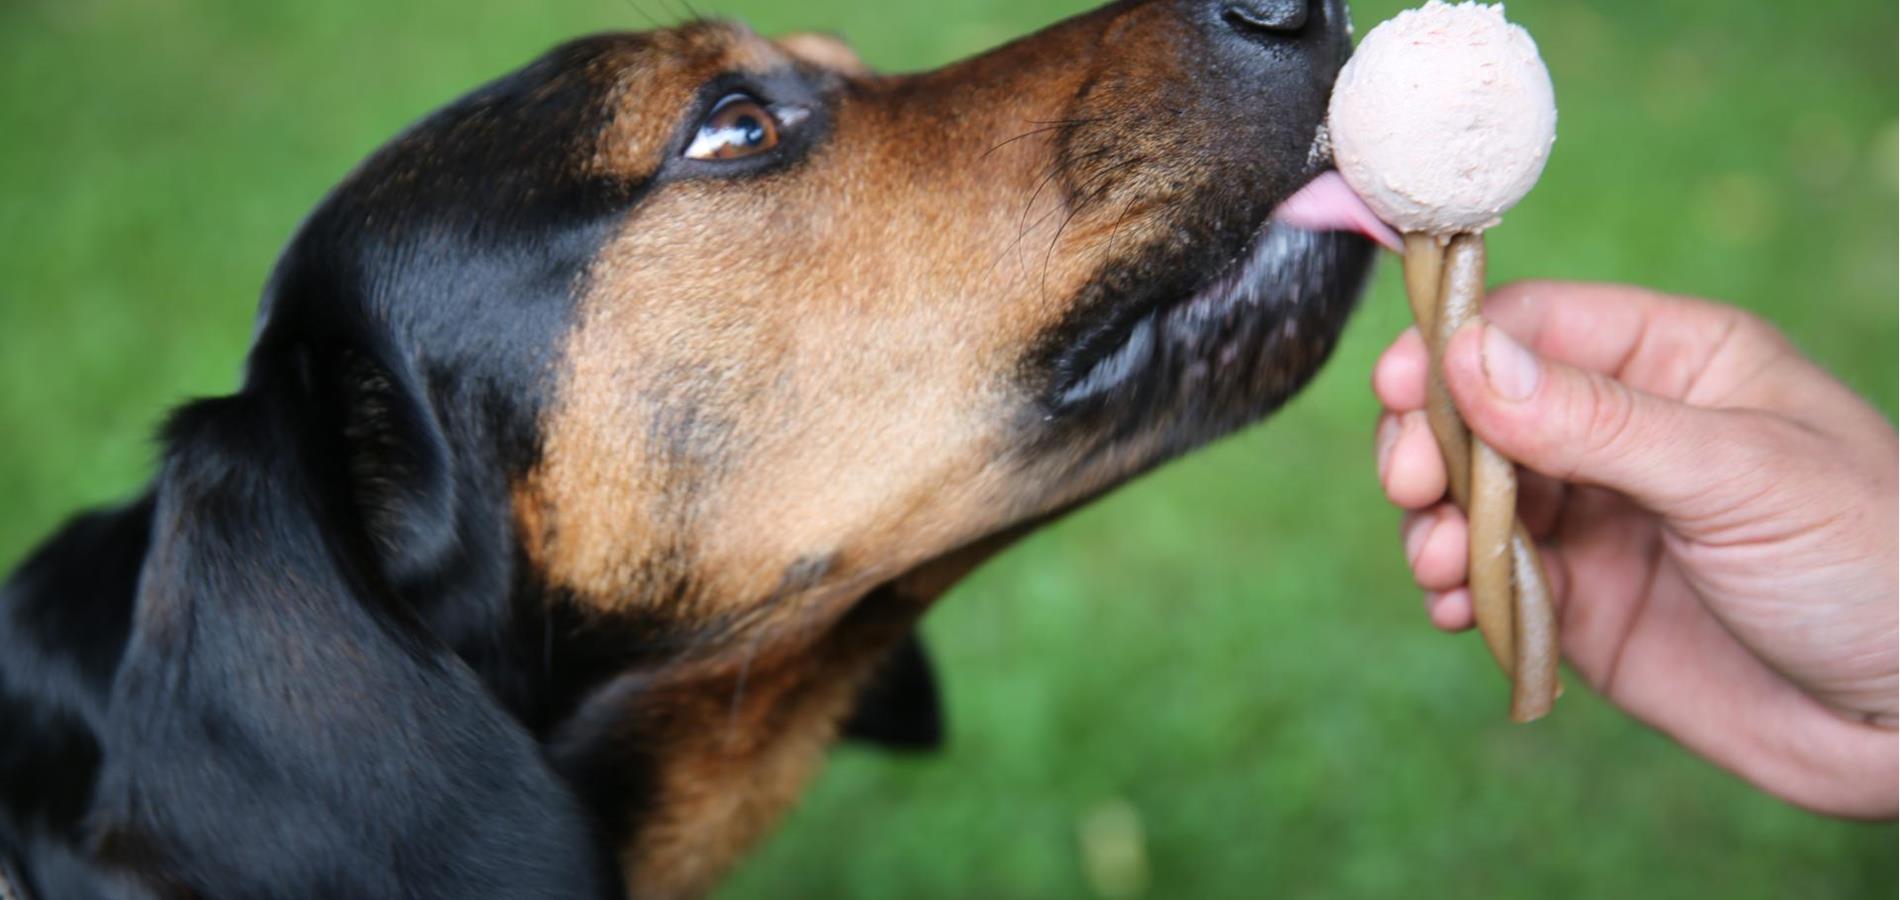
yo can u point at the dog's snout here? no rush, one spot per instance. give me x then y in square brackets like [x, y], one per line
[1318, 30]
[1296, 47]
[1266, 17]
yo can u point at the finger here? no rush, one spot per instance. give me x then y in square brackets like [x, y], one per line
[1557, 574]
[1451, 612]
[1413, 471]
[1437, 547]
[1679, 348]
[1384, 439]
[1654, 342]
[1576, 425]
[1399, 378]
[1540, 503]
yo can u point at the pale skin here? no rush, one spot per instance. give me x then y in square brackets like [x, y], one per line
[1720, 519]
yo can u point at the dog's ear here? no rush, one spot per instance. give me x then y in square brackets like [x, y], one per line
[281, 724]
[900, 708]
[372, 413]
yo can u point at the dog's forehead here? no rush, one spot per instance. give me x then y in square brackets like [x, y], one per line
[506, 194]
[599, 108]
[653, 82]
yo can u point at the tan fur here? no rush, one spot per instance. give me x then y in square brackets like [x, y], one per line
[824, 51]
[784, 391]
[743, 747]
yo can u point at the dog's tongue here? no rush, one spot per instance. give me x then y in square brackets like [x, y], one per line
[1328, 204]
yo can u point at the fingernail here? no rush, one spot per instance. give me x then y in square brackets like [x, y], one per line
[1387, 439]
[1416, 536]
[1512, 370]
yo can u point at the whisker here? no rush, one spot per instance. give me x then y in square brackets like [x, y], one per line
[1109, 252]
[739, 686]
[1023, 230]
[1056, 168]
[1090, 194]
[1024, 226]
[1044, 128]
[649, 13]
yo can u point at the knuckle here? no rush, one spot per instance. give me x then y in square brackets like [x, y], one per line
[1768, 443]
[1751, 464]
[1504, 303]
[1521, 290]
[1745, 334]
[1751, 325]
[1609, 419]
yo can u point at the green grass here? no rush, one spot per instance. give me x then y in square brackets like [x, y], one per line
[1231, 647]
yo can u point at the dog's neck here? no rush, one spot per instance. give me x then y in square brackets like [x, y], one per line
[687, 764]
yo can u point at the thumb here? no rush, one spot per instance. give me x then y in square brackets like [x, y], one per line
[1585, 427]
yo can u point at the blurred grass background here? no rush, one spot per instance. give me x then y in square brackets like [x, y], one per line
[1221, 675]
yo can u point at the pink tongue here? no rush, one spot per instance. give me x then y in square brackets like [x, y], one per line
[1329, 205]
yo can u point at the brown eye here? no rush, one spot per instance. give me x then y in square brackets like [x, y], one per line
[739, 126]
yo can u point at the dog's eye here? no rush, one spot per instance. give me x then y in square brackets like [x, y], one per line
[738, 127]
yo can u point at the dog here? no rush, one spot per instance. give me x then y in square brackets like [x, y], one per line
[606, 434]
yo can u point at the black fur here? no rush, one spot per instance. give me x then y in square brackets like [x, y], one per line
[280, 717]
[311, 661]
[902, 709]
[303, 666]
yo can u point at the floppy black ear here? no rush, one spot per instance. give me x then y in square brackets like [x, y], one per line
[281, 725]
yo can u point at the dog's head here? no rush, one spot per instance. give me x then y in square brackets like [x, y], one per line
[755, 331]
[708, 360]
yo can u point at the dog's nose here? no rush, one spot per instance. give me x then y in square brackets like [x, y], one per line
[1268, 18]
[1270, 63]
[1312, 35]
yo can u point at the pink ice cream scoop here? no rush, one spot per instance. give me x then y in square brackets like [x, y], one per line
[1444, 118]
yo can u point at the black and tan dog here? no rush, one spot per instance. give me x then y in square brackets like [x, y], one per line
[606, 435]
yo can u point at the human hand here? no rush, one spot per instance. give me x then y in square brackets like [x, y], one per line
[1719, 518]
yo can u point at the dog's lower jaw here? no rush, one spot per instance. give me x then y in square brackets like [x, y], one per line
[1174, 374]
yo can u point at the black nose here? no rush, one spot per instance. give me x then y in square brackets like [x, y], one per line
[1266, 17]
